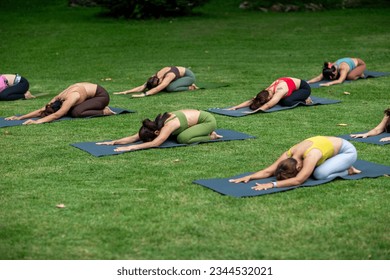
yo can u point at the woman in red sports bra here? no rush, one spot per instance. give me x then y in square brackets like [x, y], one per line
[170, 79]
[284, 91]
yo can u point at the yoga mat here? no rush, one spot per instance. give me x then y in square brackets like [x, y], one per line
[246, 111]
[104, 150]
[367, 74]
[371, 140]
[4, 123]
[223, 186]
[210, 85]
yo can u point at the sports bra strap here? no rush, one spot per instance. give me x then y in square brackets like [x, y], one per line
[275, 85]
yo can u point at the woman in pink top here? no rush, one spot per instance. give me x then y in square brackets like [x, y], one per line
[14, 87]
[284, 91]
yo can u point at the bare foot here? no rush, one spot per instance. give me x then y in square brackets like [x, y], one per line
[352, 170]
[215, 136]
[107, 111]
[28, 95]
[308, 101]
[193, 87]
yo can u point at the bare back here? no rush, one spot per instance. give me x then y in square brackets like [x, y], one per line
[280, 85]
[79, 92]
[10, 78]
[161, 73]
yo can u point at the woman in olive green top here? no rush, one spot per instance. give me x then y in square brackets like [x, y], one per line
[189, 126]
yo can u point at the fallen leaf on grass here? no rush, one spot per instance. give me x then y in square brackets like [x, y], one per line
[60, 205]
[347, 93]
[342, 124]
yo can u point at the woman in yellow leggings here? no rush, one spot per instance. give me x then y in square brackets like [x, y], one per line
[189, 126]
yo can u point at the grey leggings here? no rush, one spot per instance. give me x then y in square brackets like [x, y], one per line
[182, 83]
[337, 165]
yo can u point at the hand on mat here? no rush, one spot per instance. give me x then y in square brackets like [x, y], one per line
[30, 121]
[385, 139]
[252, 112]
[106, 143]
[12, 118]
[245, 179]
[260, 187]
[363, 135]
[125, 149]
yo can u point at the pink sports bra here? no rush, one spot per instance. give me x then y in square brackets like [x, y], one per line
[3, 83]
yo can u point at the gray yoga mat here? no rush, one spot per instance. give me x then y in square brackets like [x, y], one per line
[367, 75]
[5, 123]
[104, 150]
[210, 85]
[223, 186]
[371, 140]
[246, 111]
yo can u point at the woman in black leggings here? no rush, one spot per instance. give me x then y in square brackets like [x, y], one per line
[14, 87]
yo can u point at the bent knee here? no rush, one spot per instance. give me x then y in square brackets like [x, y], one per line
[76, 113]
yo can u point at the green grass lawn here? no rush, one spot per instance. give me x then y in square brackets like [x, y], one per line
[143, 205]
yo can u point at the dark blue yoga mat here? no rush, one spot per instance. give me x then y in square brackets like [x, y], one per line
[246, 111]
[367, 74]
[223, 186]
[104, 150]
[210, 85]
[371, 140]
[4, 123]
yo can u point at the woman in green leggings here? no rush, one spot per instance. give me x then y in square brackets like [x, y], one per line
[189, 126]
[170, 79]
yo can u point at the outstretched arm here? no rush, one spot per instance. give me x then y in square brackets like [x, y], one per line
[65, 108]
[278, 95]
[165, 132]
[375, 131]
[122, 141]
[133, 90]
[264, 173]
[33, 114]
[316, 79]
[309, 165]
[242, 105]
[341, 79]
[165, 82]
